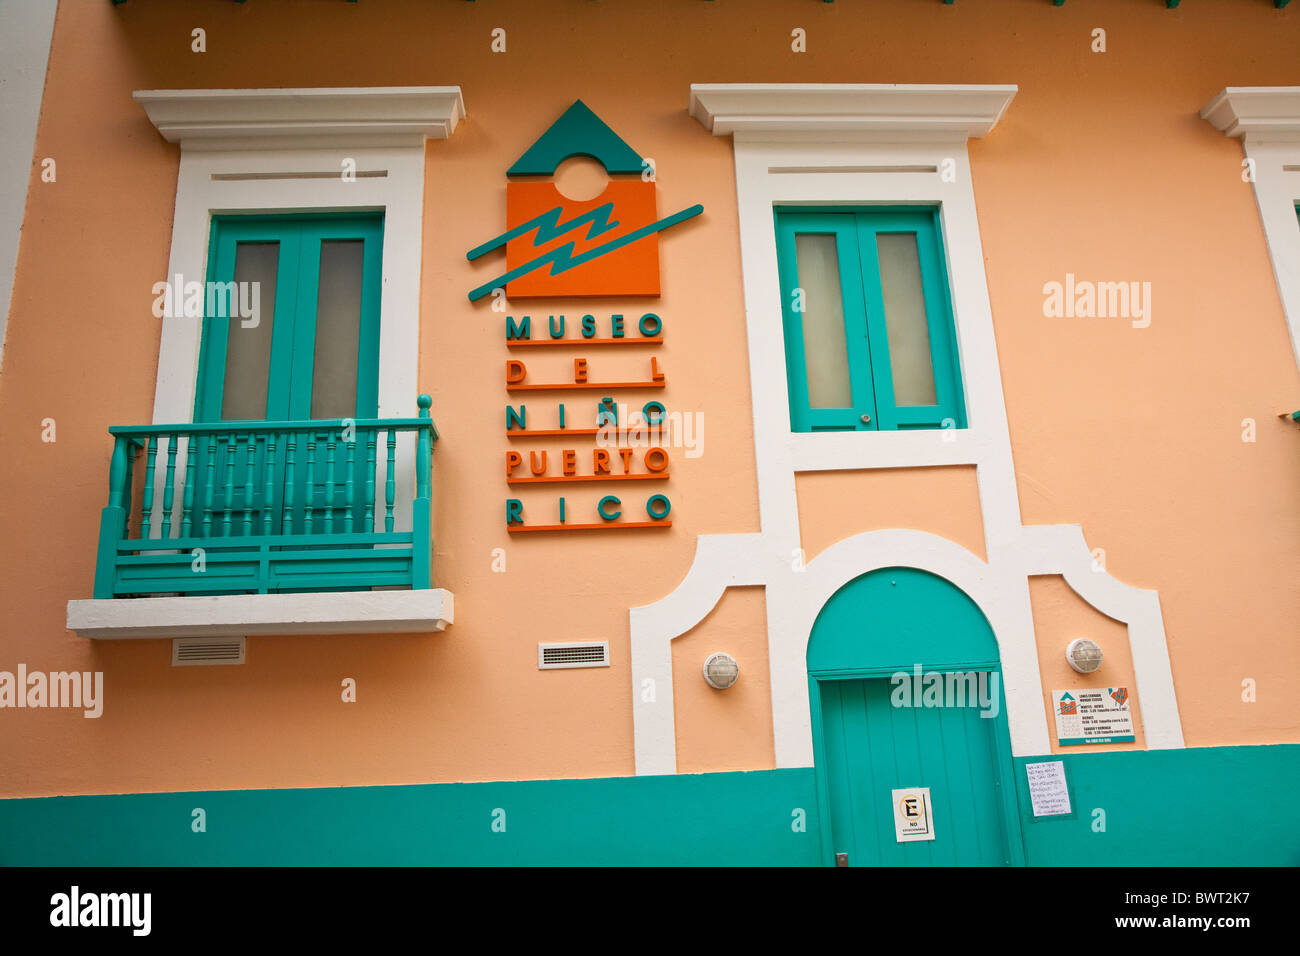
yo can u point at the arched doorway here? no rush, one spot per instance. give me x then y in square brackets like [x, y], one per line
[909, 726]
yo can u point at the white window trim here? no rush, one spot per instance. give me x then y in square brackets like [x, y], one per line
[253, 151]
[25, 52]
[224, 133]
[1267, 118]
[839, 144]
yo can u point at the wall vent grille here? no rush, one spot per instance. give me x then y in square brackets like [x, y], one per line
[188, 651]
[574, 654]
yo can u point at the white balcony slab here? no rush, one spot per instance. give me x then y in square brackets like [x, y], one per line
[249, 615]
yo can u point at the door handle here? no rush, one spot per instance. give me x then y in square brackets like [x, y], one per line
[866, 419]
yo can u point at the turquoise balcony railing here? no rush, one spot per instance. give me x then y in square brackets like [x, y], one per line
[265, 507]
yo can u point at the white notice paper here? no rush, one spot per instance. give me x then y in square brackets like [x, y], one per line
[1047, 790]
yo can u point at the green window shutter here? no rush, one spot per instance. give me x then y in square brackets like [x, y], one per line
[828, 359]
[897, 319]
[291, 313]
[914, 281]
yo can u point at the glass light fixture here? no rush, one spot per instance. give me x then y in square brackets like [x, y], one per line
[1083, 655]
[721, 671]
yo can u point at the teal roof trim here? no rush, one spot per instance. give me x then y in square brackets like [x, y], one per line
[579, 132]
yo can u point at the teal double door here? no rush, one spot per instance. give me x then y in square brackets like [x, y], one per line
[290, 334]
[311, 351]
[885, 735]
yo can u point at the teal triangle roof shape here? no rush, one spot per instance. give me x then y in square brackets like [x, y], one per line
[579, 132]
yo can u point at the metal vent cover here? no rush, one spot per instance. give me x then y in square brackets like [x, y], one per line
[573, 654]
[191, 651]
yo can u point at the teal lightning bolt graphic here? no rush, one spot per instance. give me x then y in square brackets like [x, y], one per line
[561, 258]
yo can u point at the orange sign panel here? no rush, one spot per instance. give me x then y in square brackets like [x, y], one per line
[630, 270]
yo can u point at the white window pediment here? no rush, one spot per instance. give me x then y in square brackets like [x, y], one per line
[1261, 114]
[304, 118]
[894, 112]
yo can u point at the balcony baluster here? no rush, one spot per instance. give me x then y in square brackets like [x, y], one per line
[344, 550]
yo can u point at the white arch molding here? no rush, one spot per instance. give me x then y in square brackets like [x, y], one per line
[829, 143]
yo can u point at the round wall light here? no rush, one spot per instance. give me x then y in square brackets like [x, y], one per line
[1083, 655]
[721, 671]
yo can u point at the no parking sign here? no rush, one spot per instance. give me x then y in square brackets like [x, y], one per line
[912, 818]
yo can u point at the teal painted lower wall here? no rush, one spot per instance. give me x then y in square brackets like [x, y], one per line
[725, 819]
[1205, 806]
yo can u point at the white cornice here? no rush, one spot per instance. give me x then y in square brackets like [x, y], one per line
[882, 111]
[1259, 113]
[324, 117]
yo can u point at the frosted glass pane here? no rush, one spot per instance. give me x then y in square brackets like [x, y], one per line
[825, 349]
[248, 350]
[908, 331]
[338, 329]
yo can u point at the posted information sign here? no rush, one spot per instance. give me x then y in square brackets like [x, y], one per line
[912, 817]
[1048, 791]
[1096, 715]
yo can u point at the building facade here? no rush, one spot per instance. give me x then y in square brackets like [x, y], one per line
[575, 433]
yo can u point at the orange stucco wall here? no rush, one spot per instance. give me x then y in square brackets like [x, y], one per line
[1100, 168]
[1060, 616]
[731, 729]
[834, 505]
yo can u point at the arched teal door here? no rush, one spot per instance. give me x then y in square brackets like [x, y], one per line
[906, 696]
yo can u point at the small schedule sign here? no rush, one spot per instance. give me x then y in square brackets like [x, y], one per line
[1094, 715]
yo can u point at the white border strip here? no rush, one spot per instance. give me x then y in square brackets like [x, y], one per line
[26, 31]
[775, 164]
[1268, 120]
